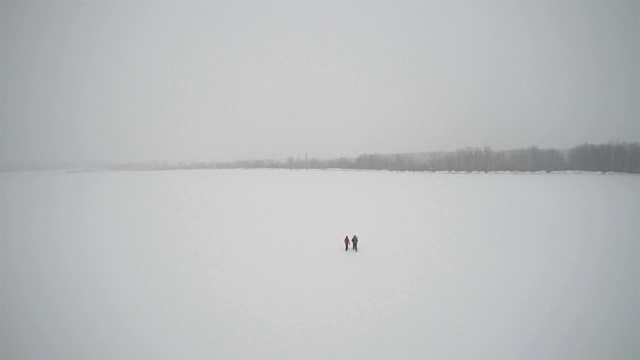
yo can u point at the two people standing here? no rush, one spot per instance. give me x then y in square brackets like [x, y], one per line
[354, 241]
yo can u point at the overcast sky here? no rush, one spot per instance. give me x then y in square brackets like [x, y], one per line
[212, 81]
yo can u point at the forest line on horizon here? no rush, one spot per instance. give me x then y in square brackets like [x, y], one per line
[623, 157]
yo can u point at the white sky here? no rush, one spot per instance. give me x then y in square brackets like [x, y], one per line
[212, 81]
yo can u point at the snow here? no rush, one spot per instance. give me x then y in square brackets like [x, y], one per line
[251, 264]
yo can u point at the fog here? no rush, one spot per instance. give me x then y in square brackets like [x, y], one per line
[223, 81]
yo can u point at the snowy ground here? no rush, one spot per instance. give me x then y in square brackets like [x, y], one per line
[251, 264]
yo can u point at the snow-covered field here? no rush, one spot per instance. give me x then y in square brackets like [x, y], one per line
[251, 264]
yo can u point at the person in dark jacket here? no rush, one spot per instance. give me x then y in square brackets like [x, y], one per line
[354, 241]
[346, 243]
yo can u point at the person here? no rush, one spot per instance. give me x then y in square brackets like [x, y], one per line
[354, 241]
[346, 243]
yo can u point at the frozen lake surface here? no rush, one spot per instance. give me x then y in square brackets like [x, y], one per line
[251, 264]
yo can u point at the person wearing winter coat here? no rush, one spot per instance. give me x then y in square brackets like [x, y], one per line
[354, 241]
[346, 243]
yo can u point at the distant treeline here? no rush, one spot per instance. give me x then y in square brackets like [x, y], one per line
[612, 157]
